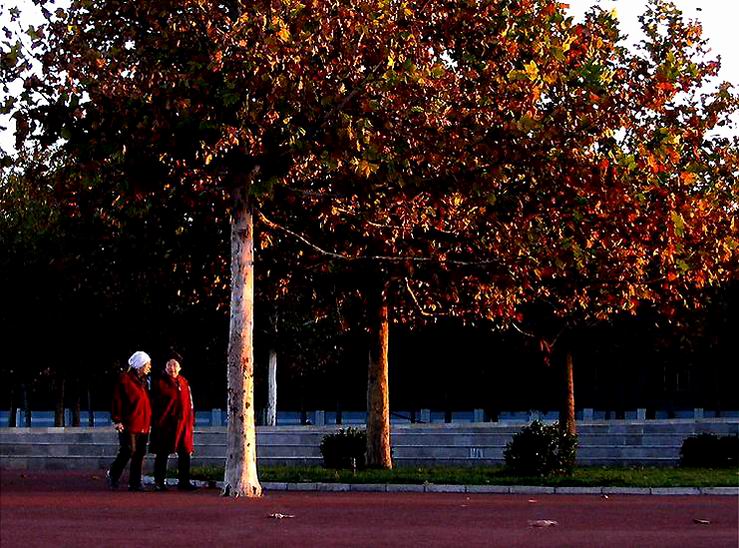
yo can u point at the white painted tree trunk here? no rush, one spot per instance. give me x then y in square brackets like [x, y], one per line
[272, 388]
[240, 478]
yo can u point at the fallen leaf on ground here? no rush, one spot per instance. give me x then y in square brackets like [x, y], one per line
[543, 523]
[277, 515]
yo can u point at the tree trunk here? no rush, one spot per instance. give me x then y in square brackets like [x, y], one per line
[76, 404]
[240, 477]
[12, 409]
[272, 389]
[90, 412]
[59, 401]
[447, 408]
[567, 411]
[26, 406]
[492, 413]
[378, 398]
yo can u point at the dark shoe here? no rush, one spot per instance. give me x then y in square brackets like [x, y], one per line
[186, 487]
[136, 488]
[112, 484]
[160, 487]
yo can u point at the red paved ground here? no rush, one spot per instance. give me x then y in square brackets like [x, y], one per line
[74, 509]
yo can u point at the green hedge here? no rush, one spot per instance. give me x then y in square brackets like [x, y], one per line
[344, 449]
[709, 451]
[541, 450]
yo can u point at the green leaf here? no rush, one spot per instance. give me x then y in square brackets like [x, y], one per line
[678, 222]
[32, 33]
[517, 75]
[532, 71]
[527, 122]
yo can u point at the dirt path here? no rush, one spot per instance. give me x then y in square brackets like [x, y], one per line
[75, 509]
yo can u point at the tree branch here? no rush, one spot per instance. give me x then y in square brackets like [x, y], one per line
[418, 305]
[385, 258]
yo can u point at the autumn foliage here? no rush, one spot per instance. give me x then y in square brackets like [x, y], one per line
[469, 159]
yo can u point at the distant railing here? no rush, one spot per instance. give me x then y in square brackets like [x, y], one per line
[218, 417]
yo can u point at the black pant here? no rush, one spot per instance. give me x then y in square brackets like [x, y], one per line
[183, 467]
[132, 446]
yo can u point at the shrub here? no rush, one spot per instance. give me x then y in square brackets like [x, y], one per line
[709, 451]
[338, 449]
[541, 450]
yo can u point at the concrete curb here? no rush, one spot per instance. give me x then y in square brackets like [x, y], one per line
[474, 489]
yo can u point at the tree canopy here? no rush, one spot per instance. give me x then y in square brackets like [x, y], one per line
[473, 159]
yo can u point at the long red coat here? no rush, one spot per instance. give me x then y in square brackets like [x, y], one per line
[173, 418]
[131, 406]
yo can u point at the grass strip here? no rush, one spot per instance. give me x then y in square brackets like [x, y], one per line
[582, 476]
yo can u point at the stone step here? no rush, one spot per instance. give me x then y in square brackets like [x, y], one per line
[630, 439]
[399, 439]
[102, 463]
[25, 435]
[621, 443]
[598, 452]
[685, 427]
[60, 449]
[448, 451]
[286, 450]
[477, 450]
[668, 441]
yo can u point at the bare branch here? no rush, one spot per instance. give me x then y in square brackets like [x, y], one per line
[385, 258]
[524, 333]
[418, 305]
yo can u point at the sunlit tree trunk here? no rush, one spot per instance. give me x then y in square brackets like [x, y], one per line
[378, 398]
[272, 388]
[567, 411]
[240, 478]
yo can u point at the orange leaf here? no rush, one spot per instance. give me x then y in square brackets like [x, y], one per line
[687, 177]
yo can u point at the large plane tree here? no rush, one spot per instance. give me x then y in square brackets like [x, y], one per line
[226, 101]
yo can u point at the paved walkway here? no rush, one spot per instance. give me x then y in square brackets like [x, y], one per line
[75, 509]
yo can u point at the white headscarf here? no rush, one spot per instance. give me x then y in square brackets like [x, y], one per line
[138, 359]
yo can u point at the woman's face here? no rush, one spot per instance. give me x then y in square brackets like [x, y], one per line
[172, 368]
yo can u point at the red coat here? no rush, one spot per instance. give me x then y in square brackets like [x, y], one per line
[131, 405]
[173, 415]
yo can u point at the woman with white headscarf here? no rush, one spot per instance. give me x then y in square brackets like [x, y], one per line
[131, 416]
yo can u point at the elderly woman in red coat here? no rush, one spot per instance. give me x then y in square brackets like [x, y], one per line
[131, 416]
[173, 420]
